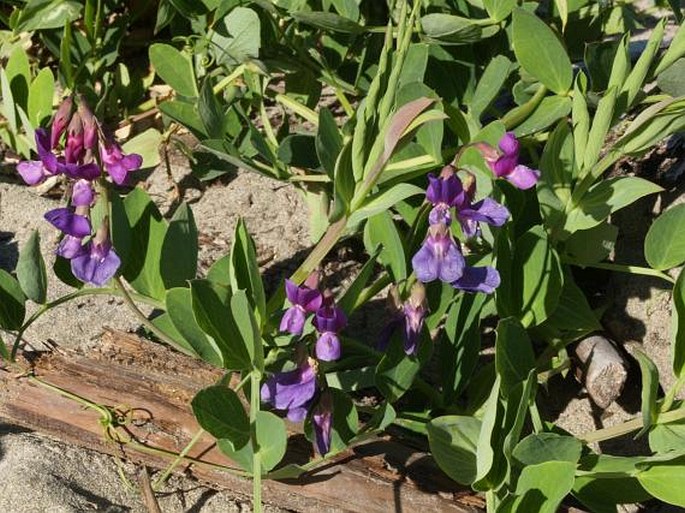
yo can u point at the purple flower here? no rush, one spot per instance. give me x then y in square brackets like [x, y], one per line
[74, 150]
[322, 420]
[409, 318]
[505, 164]
[90, 126]
[60, 121]
[329, 321]
[444, 192]
[89, 171]
[35, 171]
[69, 247]
[97, 262]
[439, 257]
[116, 163]
[478, 279]
[303, 299]
[69, 222]
[292, 391]
[486, 210]
[82, 194]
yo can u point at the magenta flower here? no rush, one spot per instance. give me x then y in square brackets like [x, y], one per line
[322, 421]
[505, 164]
[35, 171]
[60, 121]
[304, 300]
[439, 257]
[408, 318]
[97, 262]
[69, 247]
[486, 210]
[292, 391]
[329, 321]
[116, 163]
[82, 194]
[74, 149]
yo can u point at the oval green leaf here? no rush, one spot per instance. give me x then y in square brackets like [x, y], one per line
[664, 244]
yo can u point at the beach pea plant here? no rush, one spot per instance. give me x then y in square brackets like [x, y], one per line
[466, 152]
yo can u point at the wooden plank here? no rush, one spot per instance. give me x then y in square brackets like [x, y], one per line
[151, 388]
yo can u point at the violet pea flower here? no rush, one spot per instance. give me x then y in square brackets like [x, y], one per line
[439, 257]
[303, 300]
[69, 222]
[478, 279]
[34, 172]
[60, 121]
[322, 421]
[505, 165]
[82, 194]
[69, 247]
[409, 319]
[74, 149]
[97, 262]
[116, 163]
[292, 391]
[486, 210]
[444, 192]
[329, 321]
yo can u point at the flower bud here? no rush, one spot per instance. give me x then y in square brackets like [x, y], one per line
[60, 121]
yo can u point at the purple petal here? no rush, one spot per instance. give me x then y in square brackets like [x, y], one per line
[440, 214]
[68, 222]
[504, 165]
[291, 291]
[478, 279]
[43, 146]
[298, 414]
[509, 145]
[293, 320]
[86, 171]
[82, 193]
[288, 390]
[95, 266]
[132, 162]
[69, 247]
[486, 210]
[523, 177]
[452, 264]
[32, 171]
[330, 318]
[447, 191]
[321, 422]
[413, 324]
[309, 299]
[118, 173]
[425, 264]
[328, 347]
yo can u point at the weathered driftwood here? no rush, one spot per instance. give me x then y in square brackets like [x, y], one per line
[603, 370]
[152, 387]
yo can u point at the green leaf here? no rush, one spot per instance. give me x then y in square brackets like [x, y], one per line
[542, 487]
[667, 437]
[19, 75]
[65, 65]
[244, 270]
[635, 80]
[383, 417]
[178, 262]
[179, 308]
[675, 51]
[344, 424]
[650, 388]
[540, 53]
[495, 75]
[548, 112]
[672, 80]
[485, 454]
[299, 150]
[499, 9]
[665, 481]
[350, 299]
[607, 197]
[587, 247]
[329, 142]
[453, 440]
[541, 447]
[220, 271]
[47, 14]
[383, 201]
[237, 37]
[210, 111]
[8, 106]
[31, 271]
[219, 411]
[212, 305]
[678, 326]
[328, 21]
[514, 357]
[41, 93]
[608, 481]
[396, 371]
[185, 114]
[147, 233]
[599, 129]
[381, 229]
[12, 302]
[175, 68]
[243, 316]
[448, 29]
[353, 379]
[146, 144]
[664, 245]
[581, 119]
[4, 351]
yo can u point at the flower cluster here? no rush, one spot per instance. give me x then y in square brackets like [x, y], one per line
[298, 392]
[440, 256]
[81, 157]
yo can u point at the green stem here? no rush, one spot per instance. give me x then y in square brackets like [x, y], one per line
[538, 426]
[68, 297]
[672, 392]
[162, 479]
[145, 321]
[518, 115]
[228, 80]
[631, 269]
[628, 427]
[256, 458]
